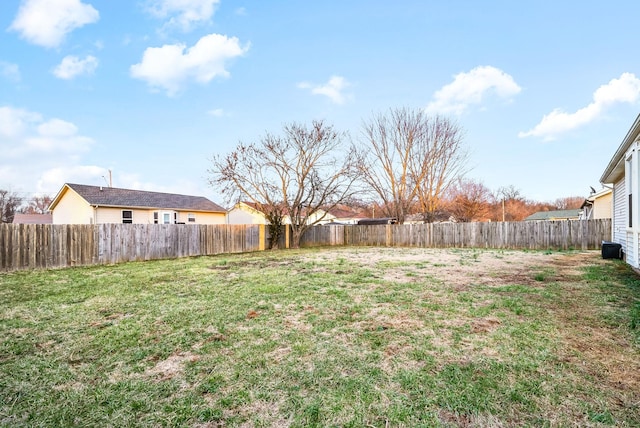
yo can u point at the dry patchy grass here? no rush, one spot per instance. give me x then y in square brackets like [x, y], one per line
[349, 337]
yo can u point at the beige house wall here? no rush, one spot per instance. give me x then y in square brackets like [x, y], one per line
[204, 218]
[72, 209]
[145, 216]
[244, 214]
[602, 206]
[106, 215]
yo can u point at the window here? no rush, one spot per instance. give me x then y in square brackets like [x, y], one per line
[166, 218]
[127, 216]
[155, 217]
[191, 218]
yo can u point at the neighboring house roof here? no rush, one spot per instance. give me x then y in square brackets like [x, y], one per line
[599, 194]
[345, 212]
[555, 215]
[32, 219]
[258, 208]
[115, 197]
[615, 169]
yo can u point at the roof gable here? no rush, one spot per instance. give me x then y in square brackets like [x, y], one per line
[615, 168]
[116, 197]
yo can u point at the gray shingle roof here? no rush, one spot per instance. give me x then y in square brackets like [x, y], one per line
[554, 215]
[115, 197]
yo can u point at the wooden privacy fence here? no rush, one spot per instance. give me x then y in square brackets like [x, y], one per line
[30, 246]
[49, 246]
[541, 235]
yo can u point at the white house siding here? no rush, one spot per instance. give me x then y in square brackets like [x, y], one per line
[72, 209]
[622, 234]
[633, 186]
[620, 217]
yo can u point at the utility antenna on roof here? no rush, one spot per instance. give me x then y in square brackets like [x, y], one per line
[110, 182]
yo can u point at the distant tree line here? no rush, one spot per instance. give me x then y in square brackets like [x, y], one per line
[11, 203]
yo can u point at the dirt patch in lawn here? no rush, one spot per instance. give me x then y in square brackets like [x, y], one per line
[172, 366]
[464, 267]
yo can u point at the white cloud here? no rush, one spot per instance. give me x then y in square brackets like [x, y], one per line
[47, 22]
[625, 89]
[10, 71]
[334, 89]
[57, 128]
[183, 14]
[170, 67]
[25, 134]
[31, 145]
[14, 123]
[72, 66]
[218, 112]
[59, 136]
[470, 88]
[51, 180]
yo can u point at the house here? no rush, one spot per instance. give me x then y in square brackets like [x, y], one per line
[555, 215]
[83, 204]
[623, 174]
[246, 213]
[19, 218]
[597, 205]
[343, 214]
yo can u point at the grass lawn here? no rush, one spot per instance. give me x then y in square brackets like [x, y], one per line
[360, 337]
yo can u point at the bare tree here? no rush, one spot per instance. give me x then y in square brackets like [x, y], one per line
[469, 200]
[38, 205]
[569, 203]
[297, 176]
[443, 161]
[510, 205]
[9, 204]
[408, 158]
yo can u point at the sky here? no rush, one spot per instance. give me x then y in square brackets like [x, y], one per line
[148, 91]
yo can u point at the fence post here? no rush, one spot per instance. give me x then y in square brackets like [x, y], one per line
[286, 236]
[261, 238]
[388, 235]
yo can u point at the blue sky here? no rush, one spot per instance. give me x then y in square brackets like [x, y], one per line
[152, 89]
